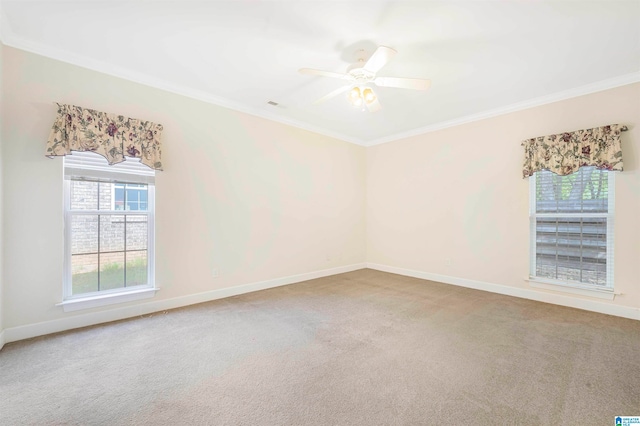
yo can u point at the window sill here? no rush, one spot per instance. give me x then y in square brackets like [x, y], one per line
[106, 299]
[607, 294]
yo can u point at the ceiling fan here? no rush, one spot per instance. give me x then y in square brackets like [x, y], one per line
[362, 74]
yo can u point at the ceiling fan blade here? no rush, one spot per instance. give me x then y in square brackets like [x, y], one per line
[403, 83]
[374, 106]
[379, 59]
[311, 71]
[332, 94]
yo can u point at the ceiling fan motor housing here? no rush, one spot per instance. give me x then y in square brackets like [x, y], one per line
[356, 70]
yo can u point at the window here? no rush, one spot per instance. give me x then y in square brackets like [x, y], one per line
[109, 227]
[572, 228]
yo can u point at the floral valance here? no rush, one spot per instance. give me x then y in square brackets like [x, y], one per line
[110, 135]
[565, 153]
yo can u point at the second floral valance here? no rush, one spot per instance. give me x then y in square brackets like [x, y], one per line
[110, 135]
[565, 153]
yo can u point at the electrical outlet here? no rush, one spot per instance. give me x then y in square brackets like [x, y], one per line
[215, 273]
[447, 261]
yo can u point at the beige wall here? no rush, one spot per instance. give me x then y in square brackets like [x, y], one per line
[254, 199]
[258, 200]
[453, 202]
[1, 210]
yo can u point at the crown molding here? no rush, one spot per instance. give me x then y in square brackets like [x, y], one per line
[8, 38]
[598, 86]
[147, 80]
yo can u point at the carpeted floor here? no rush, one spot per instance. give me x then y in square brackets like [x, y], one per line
[363, 348]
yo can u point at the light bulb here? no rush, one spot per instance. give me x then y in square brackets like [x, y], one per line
[355, 96]
[368, 95]
[354, 93]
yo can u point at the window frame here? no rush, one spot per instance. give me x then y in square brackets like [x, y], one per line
[573, 286]
[90, 166]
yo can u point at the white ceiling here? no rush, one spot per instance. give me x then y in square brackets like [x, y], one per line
[483, 57]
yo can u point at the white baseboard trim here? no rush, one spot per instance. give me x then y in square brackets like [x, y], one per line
[2, 339]
[556, 299]
[83, 320]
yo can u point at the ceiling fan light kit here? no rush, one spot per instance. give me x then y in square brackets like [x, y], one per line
[363, 97]
[361, 74]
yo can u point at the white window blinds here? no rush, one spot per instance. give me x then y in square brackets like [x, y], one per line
[572, 227]
[89, 165]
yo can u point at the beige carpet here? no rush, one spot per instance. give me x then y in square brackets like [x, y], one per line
[361, 348]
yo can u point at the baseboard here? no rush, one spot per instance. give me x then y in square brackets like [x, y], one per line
[2, 339]
[83, 320]
[556, 299]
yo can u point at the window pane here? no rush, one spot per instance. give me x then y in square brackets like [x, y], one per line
[111, 233]
[84, 234]
[136, 232]
[132, 199]
[585, 191]
[84, 195]
[135, 195]
[136, 268]
[111, 270]
[92, 195]
[118, 193]
[572, 249]
[84, 273]
[105, 190]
